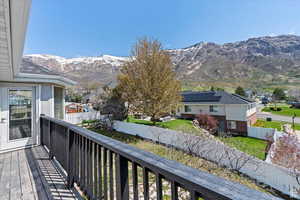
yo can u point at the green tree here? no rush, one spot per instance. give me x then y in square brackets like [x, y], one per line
[219, 89]
[110, 102]
[240, 91]
[212, 88]
[279, 94]
[148, 82]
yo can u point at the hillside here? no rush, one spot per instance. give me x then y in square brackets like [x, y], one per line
[262, 61]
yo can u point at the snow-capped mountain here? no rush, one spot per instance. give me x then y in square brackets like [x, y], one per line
[100, 69]
[256, 60]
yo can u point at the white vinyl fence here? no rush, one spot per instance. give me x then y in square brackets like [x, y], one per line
[76, 118]
[269, 174]
[260, 133]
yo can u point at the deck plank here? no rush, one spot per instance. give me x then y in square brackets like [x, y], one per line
[37, 184]
[54, 177]
[5, 177]
[28, 192]
[29, 174]
[15, 181]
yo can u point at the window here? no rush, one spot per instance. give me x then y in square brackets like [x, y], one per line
[231, 124]
[252, 105]
[20, 113]
[187, 109]
[213, 108]
[58, 103]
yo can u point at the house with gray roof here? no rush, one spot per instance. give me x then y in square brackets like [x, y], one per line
[233, 112]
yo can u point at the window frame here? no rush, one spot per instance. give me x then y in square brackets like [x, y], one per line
[187, 108]
[230, 123]
[212, 108]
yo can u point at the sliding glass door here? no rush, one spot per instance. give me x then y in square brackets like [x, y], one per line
[20, 113]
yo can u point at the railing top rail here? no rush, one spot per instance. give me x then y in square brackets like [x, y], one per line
[203, 182]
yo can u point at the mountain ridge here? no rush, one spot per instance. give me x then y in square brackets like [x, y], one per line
[259, 60]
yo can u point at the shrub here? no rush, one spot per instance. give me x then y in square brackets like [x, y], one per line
[272, 108]
[207, 122]
[285, 152]
[278, 109]
[269, 119]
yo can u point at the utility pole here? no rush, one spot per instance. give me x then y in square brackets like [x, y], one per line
[294, 121]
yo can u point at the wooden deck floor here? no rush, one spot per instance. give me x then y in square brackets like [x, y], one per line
[29, 175]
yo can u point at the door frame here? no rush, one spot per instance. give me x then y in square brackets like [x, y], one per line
[5, 143]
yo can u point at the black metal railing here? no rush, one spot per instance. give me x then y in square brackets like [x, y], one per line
[104, 168]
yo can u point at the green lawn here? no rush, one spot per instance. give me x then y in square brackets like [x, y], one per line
[176, 124]
[251, 146]
[273, 124]
[286, 110]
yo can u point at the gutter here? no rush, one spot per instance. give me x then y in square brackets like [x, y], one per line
[25, 77]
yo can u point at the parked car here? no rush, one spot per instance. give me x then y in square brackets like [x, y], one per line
[295, 104]
[265, 100]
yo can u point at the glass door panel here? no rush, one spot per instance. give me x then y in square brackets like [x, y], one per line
[20, 114]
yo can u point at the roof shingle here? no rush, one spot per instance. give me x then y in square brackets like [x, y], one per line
[214, 97]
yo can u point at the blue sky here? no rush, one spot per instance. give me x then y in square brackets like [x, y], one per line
[72, 28]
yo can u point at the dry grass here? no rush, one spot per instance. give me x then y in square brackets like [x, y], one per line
[197, 163]
[184, 158]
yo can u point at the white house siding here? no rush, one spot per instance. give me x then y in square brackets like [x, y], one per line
[236, 112]
[204, 109]
[252, 110]
[13, 24]
[47, 101]
[5, 63]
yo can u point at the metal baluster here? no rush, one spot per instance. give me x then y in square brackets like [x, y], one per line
[174, 190]
[159, 188]
[135, 181]
[146, 183]
[111, 175]
[105, 173]
[100, 171]
[122, 177]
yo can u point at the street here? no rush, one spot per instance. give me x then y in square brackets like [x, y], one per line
[264, 115]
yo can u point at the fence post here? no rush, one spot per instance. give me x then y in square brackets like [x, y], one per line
[122, 178]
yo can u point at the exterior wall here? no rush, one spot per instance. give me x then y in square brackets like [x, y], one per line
[251, 109]
[241, 128]
[203, 109]
[47, 100]
[236, 112]
[252, 119]
[13, 20]
[43, 104]
[239, 113]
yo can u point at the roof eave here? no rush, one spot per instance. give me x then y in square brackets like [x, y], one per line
[41, 78]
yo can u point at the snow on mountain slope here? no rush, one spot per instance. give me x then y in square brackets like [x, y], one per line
[257, 60]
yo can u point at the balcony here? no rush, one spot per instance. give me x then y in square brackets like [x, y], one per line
[73, 161]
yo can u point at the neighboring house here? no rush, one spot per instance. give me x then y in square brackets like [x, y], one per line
[233, 112]
[26, 90]
[74, 108]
